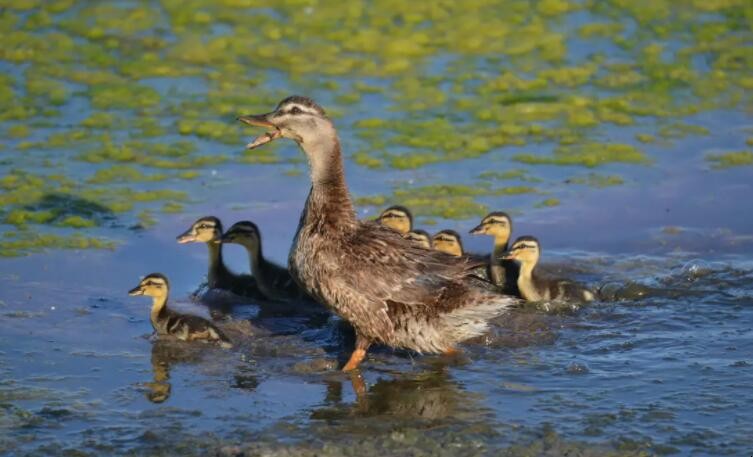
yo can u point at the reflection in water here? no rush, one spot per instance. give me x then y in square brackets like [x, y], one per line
[427, 395]
[165, 353]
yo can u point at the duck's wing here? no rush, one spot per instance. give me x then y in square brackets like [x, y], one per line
[392, 269]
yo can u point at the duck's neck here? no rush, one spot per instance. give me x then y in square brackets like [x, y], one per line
[159, 304]
[329, 201]
[256, 257]
[500, 246]
[526, 284]
[216, 265]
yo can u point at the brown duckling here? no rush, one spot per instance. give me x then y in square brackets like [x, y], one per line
[208, 230]
[273, 281]
[526, 250]
[398, 218]
[420, 237]
[391, 290]
[168, 322]
[503, 273]
[448, 241]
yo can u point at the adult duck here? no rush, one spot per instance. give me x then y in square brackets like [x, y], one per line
[390, 289]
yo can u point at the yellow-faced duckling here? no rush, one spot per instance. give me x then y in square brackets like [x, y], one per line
[391, 290]
[526, 250]
[398, 218]
[420, 237]
[208, 230]
[168, 322]
[273, 281]
[448, 241]
[503, 273]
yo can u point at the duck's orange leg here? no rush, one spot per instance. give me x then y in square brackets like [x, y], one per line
[362, 345]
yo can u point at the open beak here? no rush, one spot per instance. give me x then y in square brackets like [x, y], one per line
[136, 291]
[261, 120]
[477, 230]
[186, 237]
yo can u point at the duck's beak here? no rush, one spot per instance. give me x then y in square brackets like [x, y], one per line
[185, 237]
[507, 255]
[136, 291]
[477, 230]
[261, 120]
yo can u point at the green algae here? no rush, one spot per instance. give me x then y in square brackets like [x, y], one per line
[548, 203]
[730, 159]
[587, 155]
[18, 131]
[598, 181]
[123, 173]
[508, 80]
[14, 244]
[680, 130]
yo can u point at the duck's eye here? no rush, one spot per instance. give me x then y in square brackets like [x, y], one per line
[295, 110]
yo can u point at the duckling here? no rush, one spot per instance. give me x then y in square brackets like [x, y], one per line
[391, 290]
[274, 281]
[420, 237]
[526, 250]
[167, 322]
[448, 241]
[398, 218]
[503, 273]
[208, 230]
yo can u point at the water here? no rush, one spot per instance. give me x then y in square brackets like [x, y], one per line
[660, 367]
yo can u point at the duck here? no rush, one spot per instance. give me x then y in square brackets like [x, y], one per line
[420, 237]
[503, 273]
[391, 290]
[398, 218]
[526, 251]
[208, 230]
[165, 321]
[273, 281]
[448, 241]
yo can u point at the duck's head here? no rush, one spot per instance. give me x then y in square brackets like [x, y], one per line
[207, 229]
[525, 249]
[448, 241]
[245, 233]
[420, 237]
[153, 285]
[496, 224]
[296, 117]
[397, 218]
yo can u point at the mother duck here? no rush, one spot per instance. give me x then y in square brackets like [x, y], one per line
[391, 290]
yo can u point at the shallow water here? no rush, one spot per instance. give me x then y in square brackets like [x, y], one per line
[664, 226]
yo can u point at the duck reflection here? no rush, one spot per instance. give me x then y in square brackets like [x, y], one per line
[427, 395]
[166, 353]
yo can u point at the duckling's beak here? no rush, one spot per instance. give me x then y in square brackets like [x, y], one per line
[186, 237]
[477, 230]
[507, 255]
[136, 291]
[261, 120]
